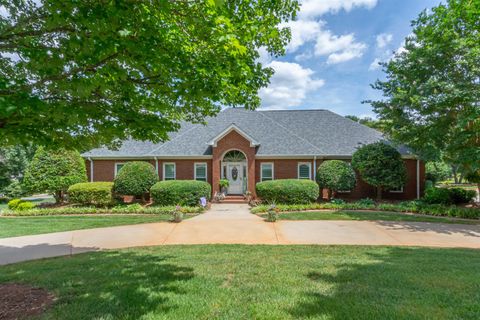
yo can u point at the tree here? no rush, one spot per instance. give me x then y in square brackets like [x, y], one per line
[432, 88]
[369, 122]
[13, 162]
[436, 171]
[135, 179]
[336, 175]
[381, 166]
[85, 73]
[54, 171]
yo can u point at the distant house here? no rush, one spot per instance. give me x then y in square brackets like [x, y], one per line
[246, 147]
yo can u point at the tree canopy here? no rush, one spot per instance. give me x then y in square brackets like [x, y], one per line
[336, 175]
[432, 88]
[86, 73]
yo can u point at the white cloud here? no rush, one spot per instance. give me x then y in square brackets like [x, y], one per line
[316, 8]
[384, 39]
[288, 86]
[338, 48]
[302, 31]
[375, 64]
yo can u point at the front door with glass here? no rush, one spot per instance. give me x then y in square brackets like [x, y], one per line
[235, 175]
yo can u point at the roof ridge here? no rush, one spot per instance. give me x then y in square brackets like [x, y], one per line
[295, 110]
[290, 131]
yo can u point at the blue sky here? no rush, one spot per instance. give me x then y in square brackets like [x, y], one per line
[331, 59]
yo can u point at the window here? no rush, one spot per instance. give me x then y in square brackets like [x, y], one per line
[169, 171]
[304, 170]
[200, 171]
[266, 171]
[396, 190]
[118, 166]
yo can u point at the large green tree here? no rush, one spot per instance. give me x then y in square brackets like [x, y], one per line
[85, 73]
[432, 88]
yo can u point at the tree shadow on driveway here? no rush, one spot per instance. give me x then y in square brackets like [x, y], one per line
[441, 228]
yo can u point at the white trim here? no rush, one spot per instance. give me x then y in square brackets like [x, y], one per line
[418, 179]
[195, 170]
[344, 191]
[231, 128]
[309, 170]
[168, 157]
[401, 190]
[260, 156]
[116, 170]
[261, 170]
[91, 169]
[174, 170]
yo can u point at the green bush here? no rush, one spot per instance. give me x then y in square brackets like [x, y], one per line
[448, 196]
[460, 195]
[180, 192]
[366, 202]
[336, 175]
[91, 193]
[288, 191]
[15, 190]
[13, 204]
[135, 178]
[25, 205]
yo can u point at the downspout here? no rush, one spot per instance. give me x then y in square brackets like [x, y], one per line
[91, 169]
[156, 164]
[418, 179]
[314, 168]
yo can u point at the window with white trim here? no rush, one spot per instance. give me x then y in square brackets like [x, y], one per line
[304, 170]
[118, 166]
[201, 171]
[266, 171]
[169, 171]
[396, 190]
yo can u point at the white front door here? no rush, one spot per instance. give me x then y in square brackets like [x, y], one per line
[235, 177]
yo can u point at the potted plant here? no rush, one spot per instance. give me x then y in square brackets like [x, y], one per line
[224, 183]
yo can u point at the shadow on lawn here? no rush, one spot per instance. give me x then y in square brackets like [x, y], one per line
[401, 283]
[110, 285]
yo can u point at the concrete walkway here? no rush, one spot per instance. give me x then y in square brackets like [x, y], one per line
[233, 223]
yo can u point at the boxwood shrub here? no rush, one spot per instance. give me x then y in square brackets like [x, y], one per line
[135, 178]
[91, 193]
[448, 196]
[288, 191]
[182, 192]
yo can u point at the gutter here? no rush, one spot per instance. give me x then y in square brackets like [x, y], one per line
[156, 164]
[314, 168]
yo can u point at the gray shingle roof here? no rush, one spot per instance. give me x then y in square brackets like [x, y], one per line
[279, 133]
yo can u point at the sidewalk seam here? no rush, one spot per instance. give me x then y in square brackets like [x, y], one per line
[275, 230]
[171, 231]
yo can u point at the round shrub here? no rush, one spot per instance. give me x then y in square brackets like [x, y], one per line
[437, 196]
[13, 204]
[135, 178]
[336, 175]
[460, 196]
[23, 206]
[91, 193]
[182, 192]
[288, 191]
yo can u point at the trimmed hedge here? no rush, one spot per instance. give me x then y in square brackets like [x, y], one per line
[13, 204]
[417, 207]
[20, 205]
[448, 196]
[135, 178]
[288, 191]
[182, 192]
[91, 193]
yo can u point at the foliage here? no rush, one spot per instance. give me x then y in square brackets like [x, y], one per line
[15, 190]
[272, 216]
[448, 196]
[381, 166]
[93, 72]
[336, 175]
[135, 178]
[122, 209]
[337, 201]
[366, 202]
[432, 90]
[24, 206]
[53, 171]
[418, 207]
[180, 192]
[369, 122]
[437, 171]
[13, 162]
[91, 193]
[474, 177]
[177, 215]
[288, 191]
[13, 204]
[224, 183]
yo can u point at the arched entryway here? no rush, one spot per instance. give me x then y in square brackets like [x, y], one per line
[234, 169]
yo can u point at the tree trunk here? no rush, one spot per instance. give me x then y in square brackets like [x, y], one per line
[478, 192]
[379, 193]
[329, 194]
[455, 173]
[58, 195]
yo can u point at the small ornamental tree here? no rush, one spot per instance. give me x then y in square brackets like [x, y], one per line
[53, 171]
[336, 175]
[135, 179]
[381, 166]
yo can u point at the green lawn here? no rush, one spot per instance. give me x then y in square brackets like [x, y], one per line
[20, 226]
[259, 282]
[364, 215]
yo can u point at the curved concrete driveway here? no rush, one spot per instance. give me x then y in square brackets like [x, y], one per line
[233, 223]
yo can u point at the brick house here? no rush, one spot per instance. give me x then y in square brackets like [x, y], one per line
[246, 147]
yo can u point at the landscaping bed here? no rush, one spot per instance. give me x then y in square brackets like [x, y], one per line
[258, 282]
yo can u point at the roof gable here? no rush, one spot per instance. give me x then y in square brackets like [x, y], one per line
[233, 127]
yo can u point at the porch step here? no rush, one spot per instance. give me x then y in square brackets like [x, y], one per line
[234, 199]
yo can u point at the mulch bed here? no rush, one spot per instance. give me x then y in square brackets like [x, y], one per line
[18, 301]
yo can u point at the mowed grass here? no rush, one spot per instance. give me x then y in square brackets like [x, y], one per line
[365, 215]
[259, 282]
[20, 226]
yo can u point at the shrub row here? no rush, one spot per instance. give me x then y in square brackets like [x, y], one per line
[91, 193]
[407, 206]
[182, 192]
[124, 209]
[288, 191]
[448, 196]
